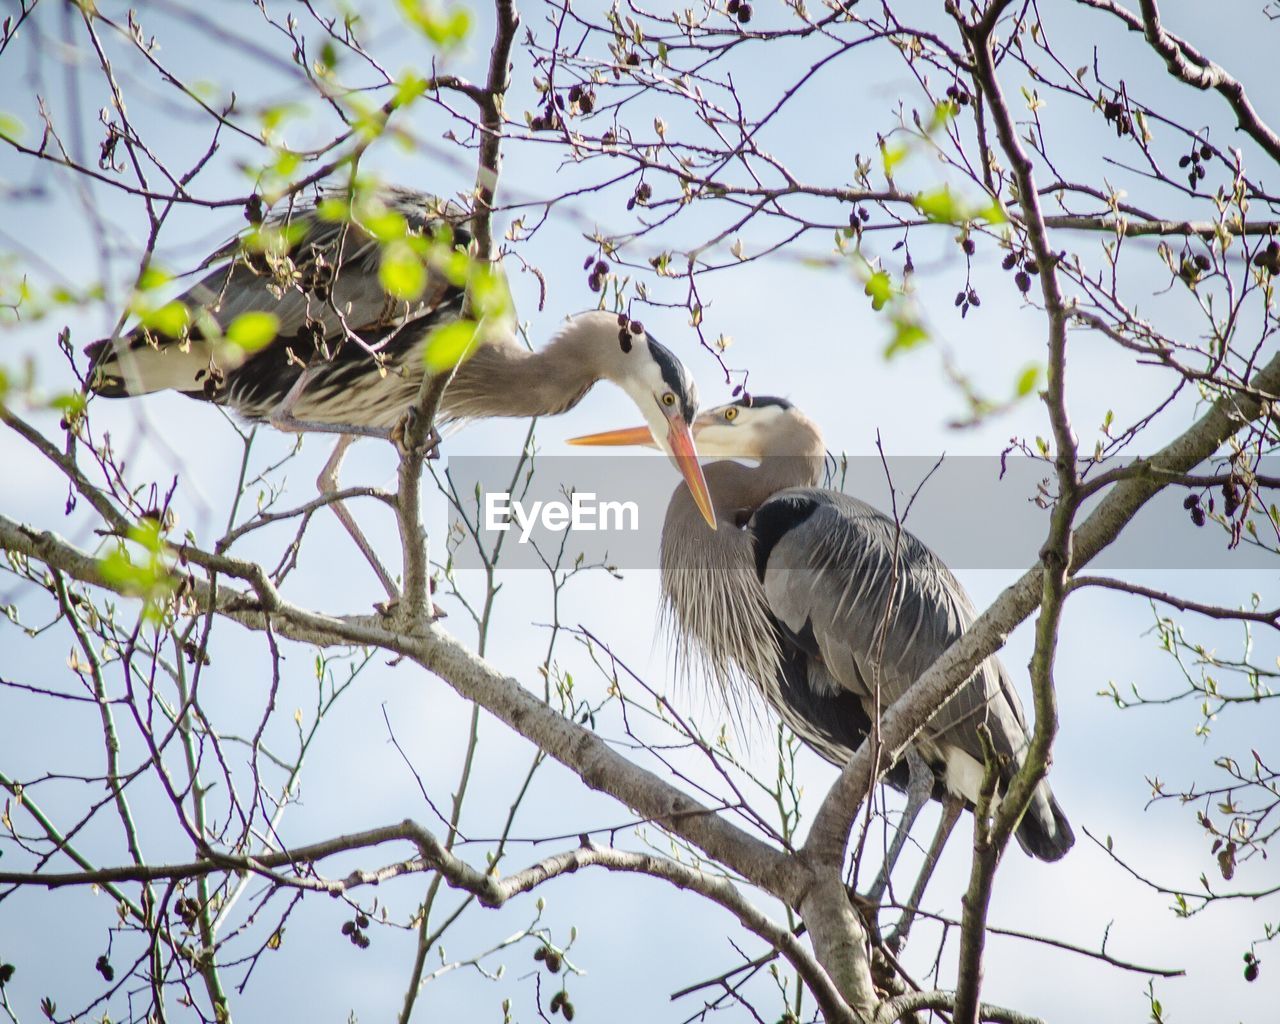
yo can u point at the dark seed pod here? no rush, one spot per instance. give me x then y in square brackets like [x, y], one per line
[968, 246]
[560, 101]
[362, 921]
[732, 6]
[575, 92]
[568, 1011]
[1206, 152]
[636, 327]
[973, 298]
[1250, 974]
[623, 319]
[554, 962]
[1031, 267]
[744, 13]
[557, 1001]
[540, 953]
[348, 927]
[864, 214]
[587, 103]
[959, 298]
[361, 940]
[1202, 261]
[633, 60]
[1191, 501]
[1184, 161]
[594, 283]
[253, 209]
[1008, 262]
[601, 268]
[1023, 281]
[1197, 516]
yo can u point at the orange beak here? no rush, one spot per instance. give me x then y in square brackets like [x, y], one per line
[679, 444]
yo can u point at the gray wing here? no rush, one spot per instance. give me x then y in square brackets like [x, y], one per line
[827, 562]
[322, 273]
[320, 279]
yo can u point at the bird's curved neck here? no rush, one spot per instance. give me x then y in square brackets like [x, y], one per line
[737, 490]
[503, 379]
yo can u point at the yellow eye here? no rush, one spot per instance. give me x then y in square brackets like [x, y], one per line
[668, 399]
[731, 413]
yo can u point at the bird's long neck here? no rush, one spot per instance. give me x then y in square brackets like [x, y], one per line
[503, 379]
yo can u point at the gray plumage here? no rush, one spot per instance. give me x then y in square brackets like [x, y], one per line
[803, 604]
[348, 358]
[361, 349]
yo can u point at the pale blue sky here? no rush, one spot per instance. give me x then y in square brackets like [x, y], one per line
[803, 333]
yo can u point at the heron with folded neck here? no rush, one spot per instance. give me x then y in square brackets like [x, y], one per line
[347, 358]
[826, 608]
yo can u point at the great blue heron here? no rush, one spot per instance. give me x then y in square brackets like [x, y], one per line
[822, 604]
[346, 358]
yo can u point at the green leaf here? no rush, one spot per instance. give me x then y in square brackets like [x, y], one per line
[1027, 381]
[907, 334]
[385, 225]
[940, 206]
[335, 210]
[172, 319]
[892, 156]
[70, 404]
[445, 28]
[10, 127]
[144, 573]
[489, 294]
[402, 272]
[153, 277]
[880, 287]
[448, 345]
[252, 331]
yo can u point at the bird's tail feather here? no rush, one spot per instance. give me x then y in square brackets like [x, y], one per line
[120, 367]
[1044, 832]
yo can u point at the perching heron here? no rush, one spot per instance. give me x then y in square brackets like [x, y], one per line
[800, 603]
[346, 358]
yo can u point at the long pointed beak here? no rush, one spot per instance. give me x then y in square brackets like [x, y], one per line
[679, 443]
[631, 436]
[680, 440]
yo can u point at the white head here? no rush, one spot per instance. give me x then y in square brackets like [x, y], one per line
[750, 428]
[662, 389]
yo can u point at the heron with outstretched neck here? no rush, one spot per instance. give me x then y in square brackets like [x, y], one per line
[830, 610]
[347, 358]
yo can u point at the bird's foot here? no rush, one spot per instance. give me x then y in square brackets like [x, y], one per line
[406, 428]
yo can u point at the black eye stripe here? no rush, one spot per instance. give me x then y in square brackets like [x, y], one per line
[760, 401]
[676, 377]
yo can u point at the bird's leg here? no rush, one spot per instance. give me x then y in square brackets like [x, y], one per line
[327, 483]
[919, 789]
[951, 809]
